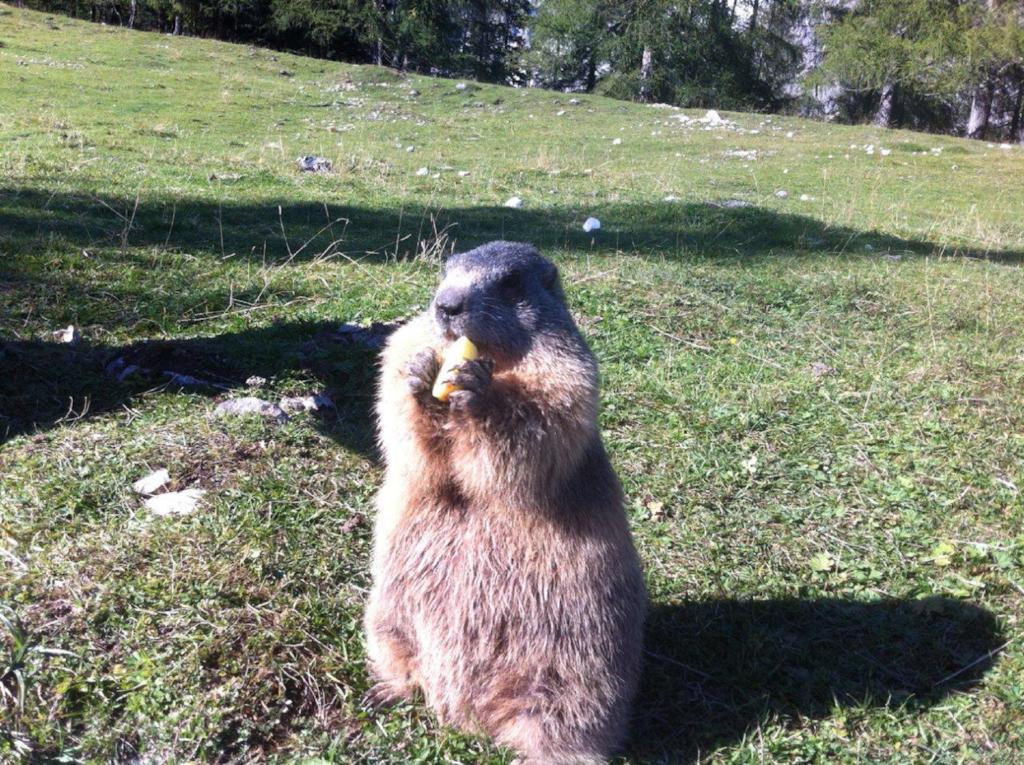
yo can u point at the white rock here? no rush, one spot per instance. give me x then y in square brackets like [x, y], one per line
[806, 198]
[790, 134]
[785, 171]
[149, 484]
[671, 198]
[591, 224]
[69, 335]
[560, 112]
[183, 380]
[885, 152]
[782, 193]
[128, 371]
[463, 173]
[315, 403]
[1005, 146]
[422, 171]
[175, 502]
[713, 117]
[410, 149]
[616, 142]
[249, 405]
[514, 202]
[460, 86]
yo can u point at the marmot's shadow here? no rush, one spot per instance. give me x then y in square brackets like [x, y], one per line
[714, 669]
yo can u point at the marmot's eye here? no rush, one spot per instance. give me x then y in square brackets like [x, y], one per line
[511, 282]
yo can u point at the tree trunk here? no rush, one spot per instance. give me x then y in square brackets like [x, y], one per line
[591, 72]
[133, 8]
[884, 114]
[646, 69]
[1016, 134]
[753, 16]
[177, 23]
[981, 109]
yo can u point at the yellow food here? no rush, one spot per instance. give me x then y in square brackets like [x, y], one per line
[459, 352]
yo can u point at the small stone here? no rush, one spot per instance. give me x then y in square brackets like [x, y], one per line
[184, 381]
[591, 224]
[256, 381]
[463, 173]
[410, 149]
[69, 335]
[732, 204]
[315, 403]
[790, 134]
[460, 86]
[514, 202]
[151, 483]
[782, 193]
[820, 369]
[314, 164]
[175, 502]
[574, 101]
[616, 142]
[1005, 146]
[250, 405]
[422, 171]
[806, 198]
[129, 371]
[671, 198]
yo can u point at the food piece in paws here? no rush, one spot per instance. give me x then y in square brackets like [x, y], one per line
[459, 352]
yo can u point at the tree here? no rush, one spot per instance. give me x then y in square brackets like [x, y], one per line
[693, 52]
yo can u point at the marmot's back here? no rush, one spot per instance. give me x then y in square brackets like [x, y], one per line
[506, 584]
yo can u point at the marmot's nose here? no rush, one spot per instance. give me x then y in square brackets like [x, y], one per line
[450, 302]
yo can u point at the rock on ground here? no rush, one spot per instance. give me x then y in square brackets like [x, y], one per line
[250, 405]
[150, 484]
[175, 502]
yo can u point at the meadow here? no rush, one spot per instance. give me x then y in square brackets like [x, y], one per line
[811, 355]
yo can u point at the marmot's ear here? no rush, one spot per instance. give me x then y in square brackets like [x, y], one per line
[549, 277]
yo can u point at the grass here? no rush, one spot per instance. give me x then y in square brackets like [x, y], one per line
[813, 403]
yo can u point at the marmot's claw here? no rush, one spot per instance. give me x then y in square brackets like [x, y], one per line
[474, 375]
[380, 696]
[472, 381]
[421, 371]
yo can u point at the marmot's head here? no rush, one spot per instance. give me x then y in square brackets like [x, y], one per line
[501, 296]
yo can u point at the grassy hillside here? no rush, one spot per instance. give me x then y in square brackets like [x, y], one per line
[812, 363]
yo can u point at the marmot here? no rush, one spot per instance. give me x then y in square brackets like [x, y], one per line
[505, 581]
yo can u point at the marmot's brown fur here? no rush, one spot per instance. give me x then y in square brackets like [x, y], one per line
[505, 581]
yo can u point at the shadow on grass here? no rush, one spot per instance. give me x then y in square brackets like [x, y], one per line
[716, 669]
[46, 384]
[275, 230]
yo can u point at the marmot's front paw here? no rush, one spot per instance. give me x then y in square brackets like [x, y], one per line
[381, 696]
[420, 373]
[472, 381]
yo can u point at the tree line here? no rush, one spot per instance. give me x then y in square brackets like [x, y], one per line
[942, 65]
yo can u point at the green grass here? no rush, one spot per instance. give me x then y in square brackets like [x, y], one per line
[814, 406]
